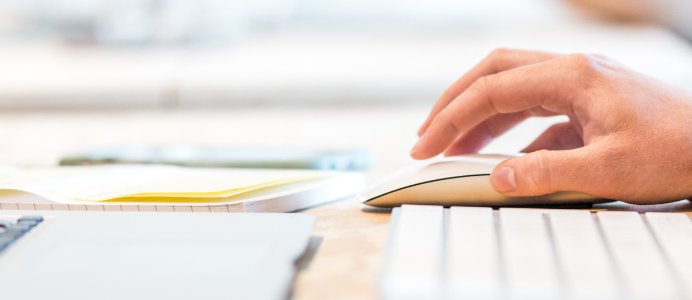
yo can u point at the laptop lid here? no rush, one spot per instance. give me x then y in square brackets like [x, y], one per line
[138, 255]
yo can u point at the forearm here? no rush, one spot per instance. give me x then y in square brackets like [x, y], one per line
[621, 9]
[672, 13]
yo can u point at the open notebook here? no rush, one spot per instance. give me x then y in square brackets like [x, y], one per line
[171, 188]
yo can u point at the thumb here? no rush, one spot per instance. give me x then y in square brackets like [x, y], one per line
[543, 172]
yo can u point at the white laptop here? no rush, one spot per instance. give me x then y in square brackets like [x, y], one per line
[139, 255]
[513, 253]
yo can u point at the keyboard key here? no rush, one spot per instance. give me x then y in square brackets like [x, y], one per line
[10, 232]
[22, 226]
[674, 234]
[582, 256]
[36, 219]
[14, 231]
[473, 269]
[530, 268]
[31, 223]
[6, 239]
[414, 268]
[637, 257]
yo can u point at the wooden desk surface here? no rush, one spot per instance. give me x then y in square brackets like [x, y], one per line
[347, 262]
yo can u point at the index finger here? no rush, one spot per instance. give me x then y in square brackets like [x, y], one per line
[498, 61]
[552, 85]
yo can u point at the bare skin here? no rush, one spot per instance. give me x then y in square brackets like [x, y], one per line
[621, 9]
[629, 137]
[672, 13]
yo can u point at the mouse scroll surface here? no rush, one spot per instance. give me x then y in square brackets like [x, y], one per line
[456, 180]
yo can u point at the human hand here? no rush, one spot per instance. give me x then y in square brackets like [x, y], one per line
[629, 136]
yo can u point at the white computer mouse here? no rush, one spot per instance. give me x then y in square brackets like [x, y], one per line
[455, 180]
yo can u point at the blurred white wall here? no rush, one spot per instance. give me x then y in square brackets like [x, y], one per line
[214, 53]
[113, 22]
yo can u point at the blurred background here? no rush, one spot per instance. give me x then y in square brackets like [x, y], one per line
[83, 74]
[231, 53]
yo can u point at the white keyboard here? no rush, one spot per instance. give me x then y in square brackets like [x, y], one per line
[513, 253]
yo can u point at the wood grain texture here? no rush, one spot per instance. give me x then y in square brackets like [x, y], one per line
[347, 262]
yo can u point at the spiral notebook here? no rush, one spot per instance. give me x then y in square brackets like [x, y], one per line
[172, 189]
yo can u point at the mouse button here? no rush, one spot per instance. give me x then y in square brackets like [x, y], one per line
[397, 180]
[498, 157]
[473, 191]
[449, 169]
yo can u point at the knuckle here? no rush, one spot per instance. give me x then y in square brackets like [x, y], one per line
[587, 70]
[499, 53]
[540, 173]
[444, 117]
[481, 87]
[586, 65]
[481, 84]
[497, 57]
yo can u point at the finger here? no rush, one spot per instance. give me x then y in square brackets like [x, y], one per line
[498, 61]
[553, 85]
[473, 140]
[544, 172]
[562, 136]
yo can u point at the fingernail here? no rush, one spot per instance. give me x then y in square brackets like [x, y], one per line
[415, 147]
[504, 181]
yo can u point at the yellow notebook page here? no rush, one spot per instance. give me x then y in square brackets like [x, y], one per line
[209, 197]
[171, 182]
